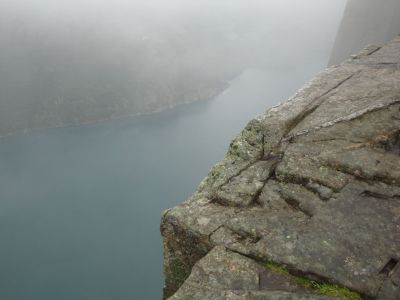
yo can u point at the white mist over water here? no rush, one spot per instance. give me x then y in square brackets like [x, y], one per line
[72, 62]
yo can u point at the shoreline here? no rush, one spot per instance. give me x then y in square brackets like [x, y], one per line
[27, 131]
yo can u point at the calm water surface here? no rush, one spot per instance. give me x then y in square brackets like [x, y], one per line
[80, 207]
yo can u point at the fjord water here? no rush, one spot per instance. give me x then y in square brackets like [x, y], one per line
[80, 206]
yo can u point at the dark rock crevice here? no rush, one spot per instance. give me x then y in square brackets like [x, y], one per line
[296, 205]
[389, 267]
[379, 196]
[343, 119]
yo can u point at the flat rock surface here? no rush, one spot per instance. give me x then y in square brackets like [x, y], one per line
[312, 185]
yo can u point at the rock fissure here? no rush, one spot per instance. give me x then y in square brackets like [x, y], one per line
[359, 174]
[379, 196]
[389, 267]
[374, 50]
[255, 201]
[238, 173]
[347, 118]
[213, 231]
[296, 205]
[315, 104]
[318, 190]
[299, 118]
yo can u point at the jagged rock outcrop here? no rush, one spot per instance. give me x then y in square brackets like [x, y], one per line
[312, 186]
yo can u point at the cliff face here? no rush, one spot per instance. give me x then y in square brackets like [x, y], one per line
[365, 22]
[306, 203]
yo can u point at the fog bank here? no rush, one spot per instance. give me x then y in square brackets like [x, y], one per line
[70, 62]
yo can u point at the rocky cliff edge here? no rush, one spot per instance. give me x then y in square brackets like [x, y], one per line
[306, 203]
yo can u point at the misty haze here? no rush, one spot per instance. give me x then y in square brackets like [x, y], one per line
[73, 62]
[172, 83]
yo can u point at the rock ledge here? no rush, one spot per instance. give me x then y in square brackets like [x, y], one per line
[312, 184]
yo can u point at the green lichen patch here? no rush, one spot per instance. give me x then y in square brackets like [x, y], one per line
[277, 268]
[328, 289]
[325, 289]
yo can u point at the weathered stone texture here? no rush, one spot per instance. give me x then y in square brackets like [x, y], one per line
[223, 274]
[312, 184]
